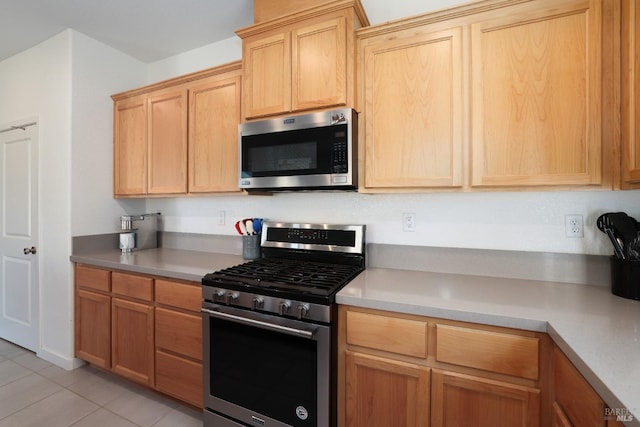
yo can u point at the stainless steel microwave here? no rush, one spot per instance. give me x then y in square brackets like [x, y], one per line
[316, 151]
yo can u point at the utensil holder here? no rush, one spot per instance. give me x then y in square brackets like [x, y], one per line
[625, 278]
[251, 247]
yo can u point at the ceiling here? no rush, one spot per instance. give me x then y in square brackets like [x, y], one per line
[148, 30]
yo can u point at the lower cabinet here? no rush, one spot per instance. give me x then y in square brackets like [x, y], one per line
[575, 402]
[179, 341]
[403, 370]
[132, 340]
[406, 370]
[144, 328]
[465, 400]
[382, 392]
[93, 328]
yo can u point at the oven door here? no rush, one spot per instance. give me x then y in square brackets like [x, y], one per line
[263, 370]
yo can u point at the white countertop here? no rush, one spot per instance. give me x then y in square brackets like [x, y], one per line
[598, 331]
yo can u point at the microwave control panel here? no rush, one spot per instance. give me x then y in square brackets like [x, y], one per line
[340, 155]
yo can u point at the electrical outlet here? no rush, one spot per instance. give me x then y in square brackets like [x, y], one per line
[573, 226]
[221, 217]
[408, 222]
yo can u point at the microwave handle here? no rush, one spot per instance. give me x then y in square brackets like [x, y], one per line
[259, 324]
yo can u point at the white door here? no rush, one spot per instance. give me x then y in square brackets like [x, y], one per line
[19, 236]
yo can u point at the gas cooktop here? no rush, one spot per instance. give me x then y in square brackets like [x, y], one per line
[304, 262]
[284, 277]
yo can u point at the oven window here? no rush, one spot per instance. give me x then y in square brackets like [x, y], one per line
[267, 372]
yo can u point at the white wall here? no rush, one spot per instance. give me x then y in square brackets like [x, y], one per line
[36, 83]
[65, 82]
[527, 221]
[98, 71]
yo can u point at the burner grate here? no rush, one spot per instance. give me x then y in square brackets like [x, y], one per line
[314, 277]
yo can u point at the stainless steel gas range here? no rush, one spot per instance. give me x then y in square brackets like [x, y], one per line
[270, 328]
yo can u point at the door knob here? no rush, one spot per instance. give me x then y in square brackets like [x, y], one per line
[31, 250]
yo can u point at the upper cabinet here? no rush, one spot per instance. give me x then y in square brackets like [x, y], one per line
[412, 99]
[214, 114]
[630, 92]
[492, 94]
[301, 61]
[167, 143]
[536, 95]
[130, 146]
[178, 136]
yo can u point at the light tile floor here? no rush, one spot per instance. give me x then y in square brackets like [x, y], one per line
[36, 393]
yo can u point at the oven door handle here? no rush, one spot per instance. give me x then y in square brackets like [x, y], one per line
[260, 324]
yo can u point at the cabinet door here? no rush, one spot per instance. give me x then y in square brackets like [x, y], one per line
[267, 75]
[413, 111]
[168, 143]
[132, 346]
[93, 328]
[214, 115]
[130, 147]
[631, 91]
[536, 94]
[559, 418]
[578, 401]
[383, 392]
[319, 60]
[464, 400]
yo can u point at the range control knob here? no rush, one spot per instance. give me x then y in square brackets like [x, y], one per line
[257, 302]
[232, 297]
[219, 294]
[303, 309]
[284, 307]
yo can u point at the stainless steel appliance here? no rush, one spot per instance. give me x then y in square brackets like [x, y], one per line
[306, 152]
[270, 328]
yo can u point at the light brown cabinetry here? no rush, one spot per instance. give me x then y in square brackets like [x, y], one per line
[214, 114]
[179, 340]
[93, 315]
[168, 142]
[301, 61]
[575, 403]
[382, 392]
[147, 329]
[630, 93]
[484, 95]
[460, 399]
[536, 91]
[132, 323]
[410, 370]
[413, 108]
[130, 146]
[178, 136]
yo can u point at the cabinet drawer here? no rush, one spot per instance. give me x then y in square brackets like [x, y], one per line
[392, 334]
[93, 278]
[179, 332]
[492, 351]
[181, 295]
[132, 286]
[179, 377]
